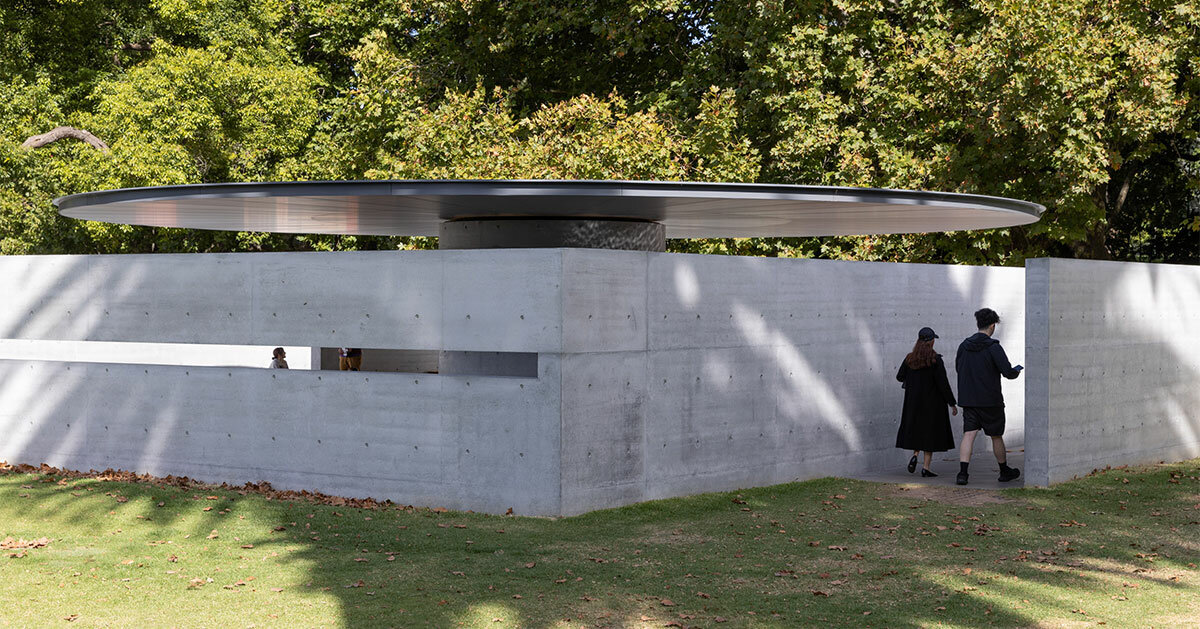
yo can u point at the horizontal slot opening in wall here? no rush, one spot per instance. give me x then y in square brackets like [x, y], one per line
[516, 364]
[130, 353]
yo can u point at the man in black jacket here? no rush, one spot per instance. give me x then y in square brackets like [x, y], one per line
[980, 363]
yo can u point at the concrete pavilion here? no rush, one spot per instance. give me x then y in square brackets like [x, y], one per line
[549, 358]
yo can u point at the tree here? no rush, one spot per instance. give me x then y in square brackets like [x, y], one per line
[1089, 108]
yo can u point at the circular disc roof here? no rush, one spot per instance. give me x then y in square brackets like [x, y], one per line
[416, 208]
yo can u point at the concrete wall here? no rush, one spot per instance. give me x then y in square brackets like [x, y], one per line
[483, 443]
[724, 372]
[1114, 370]
[422, 439]
[657, 374]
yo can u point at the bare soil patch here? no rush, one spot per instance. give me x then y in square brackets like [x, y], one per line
[949, 495]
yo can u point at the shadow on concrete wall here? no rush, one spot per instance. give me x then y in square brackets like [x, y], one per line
[1144, 295]
[834, 340]
[879, 338]
[1181, 403]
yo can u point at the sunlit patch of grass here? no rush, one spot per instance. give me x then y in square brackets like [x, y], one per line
[490, 614]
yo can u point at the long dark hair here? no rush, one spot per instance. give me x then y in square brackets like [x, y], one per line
[922, 355]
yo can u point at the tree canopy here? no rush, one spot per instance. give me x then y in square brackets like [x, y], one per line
[1090, 108]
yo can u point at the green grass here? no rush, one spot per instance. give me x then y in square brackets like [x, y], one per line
[1118, 548]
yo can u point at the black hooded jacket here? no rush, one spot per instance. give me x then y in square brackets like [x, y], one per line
[980, 362]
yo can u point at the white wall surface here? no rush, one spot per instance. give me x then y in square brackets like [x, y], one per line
[1119, 377]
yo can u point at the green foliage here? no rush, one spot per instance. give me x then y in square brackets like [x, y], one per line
[1041, 101]
[1091, 109]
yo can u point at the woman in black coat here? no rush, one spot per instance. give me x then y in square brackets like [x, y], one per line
[924, 424]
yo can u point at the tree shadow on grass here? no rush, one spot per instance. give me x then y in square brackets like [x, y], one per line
[822, 552]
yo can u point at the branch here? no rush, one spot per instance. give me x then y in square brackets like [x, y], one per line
[58, 133]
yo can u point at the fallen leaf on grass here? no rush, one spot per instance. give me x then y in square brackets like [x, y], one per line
[276, 589]
[357, 584]
[819, 593]
[14, 544]
[530, 564]
[720, 619]
[71, 618]
[213, 535]
[666, 602]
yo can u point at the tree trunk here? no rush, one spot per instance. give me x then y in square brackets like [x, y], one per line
[59, 133]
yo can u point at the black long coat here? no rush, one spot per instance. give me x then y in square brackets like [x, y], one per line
[925, 421]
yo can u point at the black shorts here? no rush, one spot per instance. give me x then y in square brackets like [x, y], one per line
[989, 418]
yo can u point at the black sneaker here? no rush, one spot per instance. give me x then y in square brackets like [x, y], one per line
[961, 479]
[1009, 474]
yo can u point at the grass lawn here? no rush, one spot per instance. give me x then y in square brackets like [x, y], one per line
[1119, 548]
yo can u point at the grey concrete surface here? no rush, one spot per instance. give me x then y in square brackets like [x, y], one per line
[1118, 381]
[658, 374]
[426, 439]
[759, 371]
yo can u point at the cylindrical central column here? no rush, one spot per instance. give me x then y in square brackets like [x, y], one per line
[543, 233]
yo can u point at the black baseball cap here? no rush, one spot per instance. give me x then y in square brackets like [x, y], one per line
[926, 334]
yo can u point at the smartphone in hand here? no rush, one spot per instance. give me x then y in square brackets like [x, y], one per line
[1018, 368]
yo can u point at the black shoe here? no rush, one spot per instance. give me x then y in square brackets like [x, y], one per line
[962, 479]
[912, 464]
[927, 474]
[1009, 474]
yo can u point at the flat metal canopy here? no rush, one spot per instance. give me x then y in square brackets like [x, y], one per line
[417, 208]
